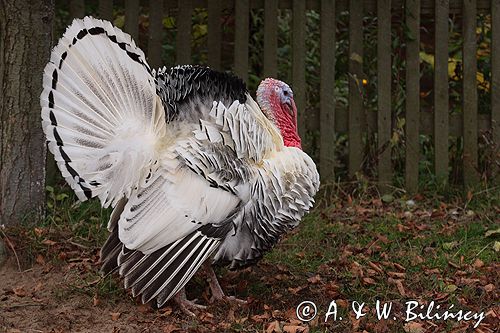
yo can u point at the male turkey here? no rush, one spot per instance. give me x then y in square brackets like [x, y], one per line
[193, 167]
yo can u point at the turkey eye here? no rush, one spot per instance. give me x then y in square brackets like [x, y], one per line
[285, 93]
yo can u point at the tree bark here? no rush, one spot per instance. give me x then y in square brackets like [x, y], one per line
[25, 43]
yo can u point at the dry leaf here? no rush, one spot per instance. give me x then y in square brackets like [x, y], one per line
[19, 291]
[478, 263]
[274, 327]
[40, 260]
[397, 275]
[115, 315]
[368, 281]
[96, 300]
[314, 279]
[169, 328]
[413, 327]
[38, 287]
[489, 287]
[261, 318]
[48, 242]
[294, 329]
[295, 291]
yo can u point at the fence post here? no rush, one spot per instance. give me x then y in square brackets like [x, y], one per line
[132, 18]
[241, 33]
[327, 90]
[106, 9]
[184, 21]
[412, 17]
[155, 33]
[299, 63]
[495, 85]
[384, 121]
[270, 38]
[469, 95]
[441, 94]
[214, 34]
[77, 9]
[355, 86]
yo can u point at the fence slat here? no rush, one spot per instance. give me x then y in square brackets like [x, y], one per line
[132, 18]
[184, 20]
[155, 33]
[241, 34]
[355, 86]
[495, 82]
[469, 95]
[77, 8]
[412, 17]
[298, 64]
[214, 34]
[106, 9]
[384, 93]
[327, 90]
[441, 126]
[270, 38]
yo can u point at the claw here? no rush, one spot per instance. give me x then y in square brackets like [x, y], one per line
[217, 292]
[186, 305]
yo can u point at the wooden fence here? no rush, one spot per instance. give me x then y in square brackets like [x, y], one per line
[438, 122]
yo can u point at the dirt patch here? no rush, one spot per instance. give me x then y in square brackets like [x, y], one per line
[43, 299]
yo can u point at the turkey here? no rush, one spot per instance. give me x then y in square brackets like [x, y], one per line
[195, 169]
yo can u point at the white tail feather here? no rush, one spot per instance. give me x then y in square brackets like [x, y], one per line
[100, 112]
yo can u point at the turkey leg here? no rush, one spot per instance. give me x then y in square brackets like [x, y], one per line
[217, 292]
[187, 305]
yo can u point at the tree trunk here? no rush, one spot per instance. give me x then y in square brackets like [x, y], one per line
[25, 43]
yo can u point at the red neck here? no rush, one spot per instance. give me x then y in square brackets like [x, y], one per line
[288, 129]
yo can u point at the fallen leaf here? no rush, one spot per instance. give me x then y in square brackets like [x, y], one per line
[450, 288]
[40, 260]
[294, 329]
[115, 315]
[96, 300]
[387, 198]
[397, 275]
[496, 246]
[19, 291]
[342, 303]
[492, 232]
[48, 242]
[450, 245]
[478, 263]
[314, 279]
[38, 287]
[489, 287]
[169, 328]
[368, 281]
[399, 285]
[39, 231]
[274, 327]
[295, 291]
[261, 318]
[413, 327]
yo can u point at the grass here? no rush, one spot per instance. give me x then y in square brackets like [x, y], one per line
[359, 246]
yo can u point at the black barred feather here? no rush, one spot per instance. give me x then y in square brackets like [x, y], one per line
[181, 87]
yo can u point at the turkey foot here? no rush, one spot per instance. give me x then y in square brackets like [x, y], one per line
[186, 305]
[217, 292]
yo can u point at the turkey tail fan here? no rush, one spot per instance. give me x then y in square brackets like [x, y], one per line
[100, 112]
[113, 246]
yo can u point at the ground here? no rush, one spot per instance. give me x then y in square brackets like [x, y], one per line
[351, 249]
